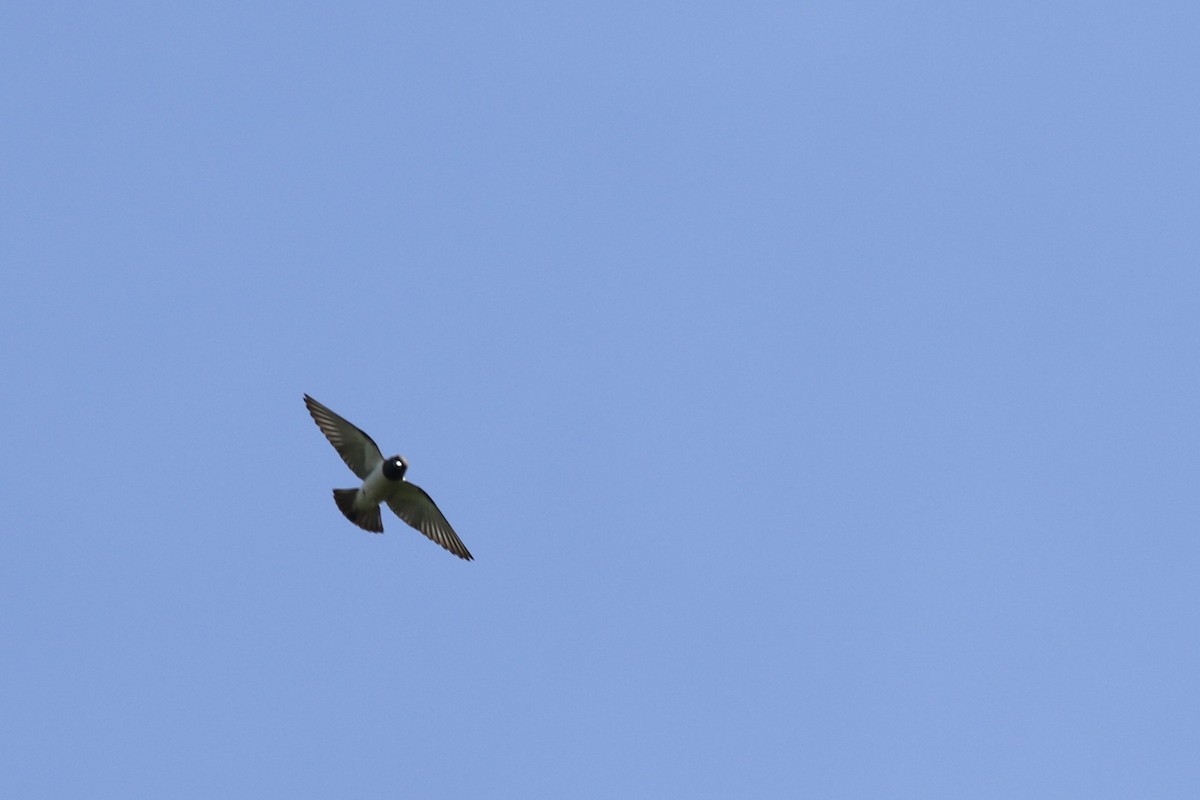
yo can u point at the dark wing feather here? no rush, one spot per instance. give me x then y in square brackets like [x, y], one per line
[358, 450]
[411, 504]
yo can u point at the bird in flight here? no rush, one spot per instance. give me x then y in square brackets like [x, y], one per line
[382, 482]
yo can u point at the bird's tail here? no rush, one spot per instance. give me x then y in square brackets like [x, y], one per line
[366, 518]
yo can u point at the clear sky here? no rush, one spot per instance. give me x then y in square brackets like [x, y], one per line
[815, 384]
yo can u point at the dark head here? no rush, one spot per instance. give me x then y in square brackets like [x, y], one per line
[394, 468]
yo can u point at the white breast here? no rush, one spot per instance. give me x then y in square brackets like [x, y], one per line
[375, 488]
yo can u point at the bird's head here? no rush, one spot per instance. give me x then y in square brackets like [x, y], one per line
[394, 468]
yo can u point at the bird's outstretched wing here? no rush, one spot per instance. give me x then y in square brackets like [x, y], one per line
[410, 503]
[358, 450]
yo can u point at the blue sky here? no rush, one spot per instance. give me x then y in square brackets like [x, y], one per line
[814, 383]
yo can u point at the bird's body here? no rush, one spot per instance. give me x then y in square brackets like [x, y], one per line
[382, 482]
[376, 488]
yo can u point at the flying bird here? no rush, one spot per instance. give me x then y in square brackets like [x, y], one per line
[382, 482]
